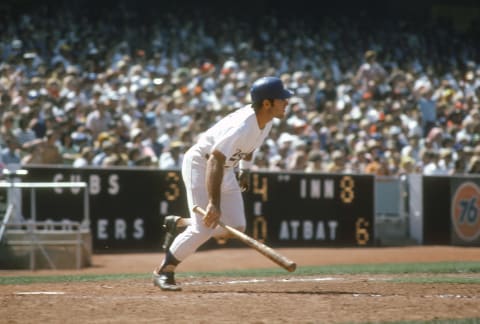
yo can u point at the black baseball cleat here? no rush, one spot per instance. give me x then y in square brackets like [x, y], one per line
[165, 281]
[171, 230]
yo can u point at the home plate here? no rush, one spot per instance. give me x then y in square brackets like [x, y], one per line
[40, 293]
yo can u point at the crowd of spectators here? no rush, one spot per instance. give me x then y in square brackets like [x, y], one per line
[115, 89]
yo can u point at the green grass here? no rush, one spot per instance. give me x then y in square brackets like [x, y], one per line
[387, 268]
[23, 280]
[393, 268]
[404, 268]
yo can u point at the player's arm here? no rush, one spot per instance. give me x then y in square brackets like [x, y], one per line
[214, 177]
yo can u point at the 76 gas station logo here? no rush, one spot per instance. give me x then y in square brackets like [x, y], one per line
[466, 211]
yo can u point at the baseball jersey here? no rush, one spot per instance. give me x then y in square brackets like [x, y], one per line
[236, 135]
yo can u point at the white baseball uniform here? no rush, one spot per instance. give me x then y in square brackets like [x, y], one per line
[236, 135]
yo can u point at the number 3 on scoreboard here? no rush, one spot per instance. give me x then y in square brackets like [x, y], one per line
[361, 231]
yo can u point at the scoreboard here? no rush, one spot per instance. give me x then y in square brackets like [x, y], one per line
[127, 206]
[306, 209]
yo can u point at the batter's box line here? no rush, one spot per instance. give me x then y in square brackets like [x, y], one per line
[258, 281]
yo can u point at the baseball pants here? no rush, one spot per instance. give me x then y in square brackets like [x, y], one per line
[231, 204]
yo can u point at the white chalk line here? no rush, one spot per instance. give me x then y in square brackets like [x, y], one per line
[256, 281]
[236, 282]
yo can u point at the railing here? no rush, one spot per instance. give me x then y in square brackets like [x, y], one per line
[33, 232]
[52, 185]
[5, 220]
[32, 229]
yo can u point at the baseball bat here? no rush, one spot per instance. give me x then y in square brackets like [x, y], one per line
[267, 251]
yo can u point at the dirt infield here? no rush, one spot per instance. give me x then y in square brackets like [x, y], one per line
[288, 298]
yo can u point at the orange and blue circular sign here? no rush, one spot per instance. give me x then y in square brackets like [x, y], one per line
[466, 211]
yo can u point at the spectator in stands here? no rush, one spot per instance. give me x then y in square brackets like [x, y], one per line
[68, 150]
[473, 166]
[200, 77]
[7, 127]
[446, 162]
[337, 162]
[150, 141]
[104, 149]
[427, 104]
[413, 148]
[10, 154]
[360, 159]
[407, 165]
[460, 167]
[315, 161]
[85, 158]
[168, 136]
[172, 157]
[431, 163]
[113, 154]
[137, 140]
[23, 133]
[99, 119]
[43, 151]
[168, 113]
[260, 161]
[298, 160]
[370, 76]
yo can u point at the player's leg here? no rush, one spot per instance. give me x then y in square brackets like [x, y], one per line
[231, 205]
[186, 243]
[232, 215]
[172, 226]
[233, 212]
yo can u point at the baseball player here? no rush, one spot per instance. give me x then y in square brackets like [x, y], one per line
[209, 177]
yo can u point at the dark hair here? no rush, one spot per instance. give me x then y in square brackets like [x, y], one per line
[257, 105]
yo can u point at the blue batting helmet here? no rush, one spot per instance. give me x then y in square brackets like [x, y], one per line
[268, 88]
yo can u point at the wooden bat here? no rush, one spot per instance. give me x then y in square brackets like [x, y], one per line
[260, 247]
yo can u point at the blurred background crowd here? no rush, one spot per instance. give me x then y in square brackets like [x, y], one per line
[115, 86]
